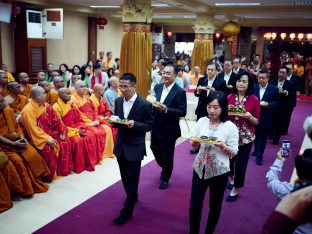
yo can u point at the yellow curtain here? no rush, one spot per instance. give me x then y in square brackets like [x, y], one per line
[202, 51]
[136, 55]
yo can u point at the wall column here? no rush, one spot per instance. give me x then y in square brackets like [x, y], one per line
[92, 38]
[203, 44]
[136, 44]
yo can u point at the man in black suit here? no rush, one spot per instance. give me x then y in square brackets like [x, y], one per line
[286, 90]
[237, 66]
[229, 76]
[213, 82]
[296, 82]
[269, 100]
[130, 141]
[166, 129]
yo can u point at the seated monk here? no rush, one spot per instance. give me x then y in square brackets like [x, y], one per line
[82, 136]
[48, 134]
[51, 99]
[58, 83]
[28, 163]
[3, 84]
[90, 116]
[73, 80]
[10, 182]
[40, 76]
[24, 81]
[4, 67]
[103, 110]
[15, 100]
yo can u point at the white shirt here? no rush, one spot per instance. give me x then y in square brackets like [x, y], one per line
[288, 77]
[127, 105]
[165, 92]
[227, 77]
[210, 82]
[280, 84]
[262, 91]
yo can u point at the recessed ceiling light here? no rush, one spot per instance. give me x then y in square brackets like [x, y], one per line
[238, 4]
[160, 5]
[105, 6]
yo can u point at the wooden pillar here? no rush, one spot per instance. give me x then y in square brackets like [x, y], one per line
[260, 43]
[0, 45]
[92, 38]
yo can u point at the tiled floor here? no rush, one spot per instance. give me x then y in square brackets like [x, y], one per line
[66, 193]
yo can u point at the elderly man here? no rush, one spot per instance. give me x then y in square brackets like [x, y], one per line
[51, 99]
[81, 136]
[3, 84]
[112, 93]
[28, 163]
[4, 67]
[15, 100]
[102, 107]
[48, 133]
[25, 86]
[90, 116]
[229, 76]
[58, 83]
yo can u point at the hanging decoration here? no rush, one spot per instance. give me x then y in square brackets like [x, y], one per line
[101, 22]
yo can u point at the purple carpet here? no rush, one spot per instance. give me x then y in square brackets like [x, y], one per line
[166, 211]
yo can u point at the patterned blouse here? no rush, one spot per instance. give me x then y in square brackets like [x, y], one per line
[211, 160]
[246, 129]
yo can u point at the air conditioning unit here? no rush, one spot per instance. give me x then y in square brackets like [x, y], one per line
[47, 23]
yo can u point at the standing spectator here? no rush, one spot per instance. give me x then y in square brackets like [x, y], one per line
[308, 78]
[212, 164]
[246, 123]
[229, 76]
[269, 100]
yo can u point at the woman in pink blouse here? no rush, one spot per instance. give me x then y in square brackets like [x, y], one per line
[246, 123]
[212, 163]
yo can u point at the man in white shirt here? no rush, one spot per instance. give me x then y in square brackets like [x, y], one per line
[130, 146]
[229, 76]
[166, 129]
[236, 66]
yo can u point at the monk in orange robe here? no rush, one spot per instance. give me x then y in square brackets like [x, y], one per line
[4, 68]
[51, 99]
[15, 100]
[103, 110]
[28, 163]
[81, 135]
[90, 116]
[48, 133]
[9, 182]
[58, 83]
[24, 81]
[3, 84]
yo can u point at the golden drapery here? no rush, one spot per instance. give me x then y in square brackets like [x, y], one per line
[136, 54]
[202, 51]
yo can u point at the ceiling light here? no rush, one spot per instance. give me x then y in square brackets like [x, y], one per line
[238, 3]
[160, 5]
[105, 6]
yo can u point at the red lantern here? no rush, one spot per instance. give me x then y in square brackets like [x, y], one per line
[101, 22]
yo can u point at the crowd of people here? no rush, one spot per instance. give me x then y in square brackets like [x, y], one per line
[61, 125]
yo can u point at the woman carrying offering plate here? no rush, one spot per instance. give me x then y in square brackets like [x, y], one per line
[217, 139]
[245, 113]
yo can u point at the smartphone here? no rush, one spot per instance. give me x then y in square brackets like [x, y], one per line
[286, 148]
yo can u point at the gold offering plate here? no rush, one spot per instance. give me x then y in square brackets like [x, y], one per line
[204, 88]
[203, 140]
[122, 121]
[237, 113]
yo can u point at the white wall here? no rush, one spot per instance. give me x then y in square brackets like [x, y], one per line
[7, 44]
[74, 48]
[109, 39]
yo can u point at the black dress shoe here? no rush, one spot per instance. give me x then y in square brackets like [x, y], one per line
[254, 154]
[163, 185]
[259, 162]
[121, 219]
[274, 142]
[194, 151]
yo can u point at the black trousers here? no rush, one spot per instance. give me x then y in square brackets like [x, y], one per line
[163, 152]
[238, 165]
[279, 122]
[130, 174]
[216, 186]
[261, 140]
[285, 127]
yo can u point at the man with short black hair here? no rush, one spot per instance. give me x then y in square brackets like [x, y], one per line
[130, 146]
[98, 77]
[48, 74]
[166, 129]
[229, 76]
